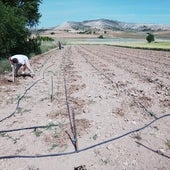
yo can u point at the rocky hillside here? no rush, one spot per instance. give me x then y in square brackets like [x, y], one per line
[105, 24]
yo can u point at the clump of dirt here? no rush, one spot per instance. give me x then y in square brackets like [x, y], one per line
[75, 88]
[118, 111]
[77, 104]
[6, 80]
[145, 101]
[165, 102]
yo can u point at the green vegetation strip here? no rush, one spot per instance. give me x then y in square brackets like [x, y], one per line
[165, 46]
[141, 44]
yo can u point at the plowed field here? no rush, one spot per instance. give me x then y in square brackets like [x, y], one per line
[121, 101]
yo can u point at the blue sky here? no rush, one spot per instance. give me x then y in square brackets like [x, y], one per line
[55, 12]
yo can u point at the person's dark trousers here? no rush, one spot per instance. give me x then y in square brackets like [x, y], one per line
[16, 68]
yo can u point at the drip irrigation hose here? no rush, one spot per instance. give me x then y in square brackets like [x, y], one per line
[89, 147]
[155, 151]
[22, 96]
[76, 150]
[71, 115]
[28, 128]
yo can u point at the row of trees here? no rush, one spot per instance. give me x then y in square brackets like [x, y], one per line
[17, 17]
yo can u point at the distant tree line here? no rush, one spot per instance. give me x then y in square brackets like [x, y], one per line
[17, 17]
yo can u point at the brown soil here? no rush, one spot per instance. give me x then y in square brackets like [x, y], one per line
[111, 90]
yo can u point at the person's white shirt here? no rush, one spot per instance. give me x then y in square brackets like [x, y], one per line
[22, 59]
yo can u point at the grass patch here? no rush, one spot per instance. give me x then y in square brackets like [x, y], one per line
[53, 147]
[95, 137]
[168, 143]
[51, 125]
[153, 46]
[9, 137]
[47, 45]
[37, 133]
[137, 136]
[121, 42]
[4, 66]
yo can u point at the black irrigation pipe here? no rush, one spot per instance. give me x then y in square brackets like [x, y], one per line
[66, 95]
[71, 115]
[18, 102]
[146, 110]
[67, 104]
[22, 96]
[47, 69]
[52, 88]
[89, 147]
[155, 151]
[29, 128]
[75, 131]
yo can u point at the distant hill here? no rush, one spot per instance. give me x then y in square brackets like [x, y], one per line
[105, 24]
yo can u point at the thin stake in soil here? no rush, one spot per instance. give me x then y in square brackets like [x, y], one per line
[73, 130]
[52, 87]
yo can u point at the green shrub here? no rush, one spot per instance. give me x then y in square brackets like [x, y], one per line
[47, 45]
[85, 32]
[150, 37]
[44, 38]
[101, 36]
